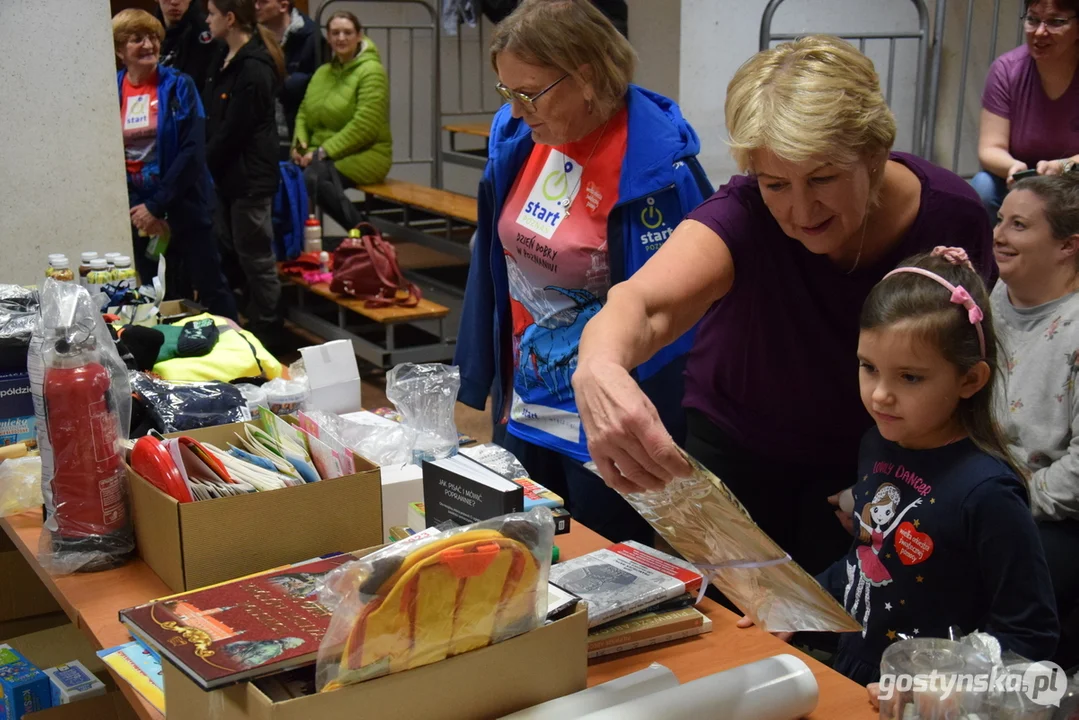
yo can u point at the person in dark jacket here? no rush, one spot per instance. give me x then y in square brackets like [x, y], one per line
[167, 181]
[241, 151]
[297, 35]
[188, 45]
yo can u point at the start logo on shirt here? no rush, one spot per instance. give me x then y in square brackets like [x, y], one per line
[138, 112]
[553, 191]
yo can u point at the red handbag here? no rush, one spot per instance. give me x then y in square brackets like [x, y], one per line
[365, 267]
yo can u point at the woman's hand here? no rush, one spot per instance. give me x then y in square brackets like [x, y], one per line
[874, 695]
[1015, 168]
[297, 158]
[1050, 167]
[142, 218]
[746, 622]
[631, 448]
[306, 159]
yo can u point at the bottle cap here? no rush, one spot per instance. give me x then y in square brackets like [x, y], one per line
[99, 263]
[60, 263]
[88, 256]
[123, 261]
[110, 257]
[324, 256]
[354, 233]
[57, 256]
[312, 221]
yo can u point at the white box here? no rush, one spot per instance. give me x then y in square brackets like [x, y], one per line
[333, 376]
[401, 485]
[72, 681]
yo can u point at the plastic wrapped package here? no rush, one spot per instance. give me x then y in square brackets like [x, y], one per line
[20, 485]
[255, 397]
[416, 602]
[426, 396]
[286, 397]
[389, 444]
[706, 524]
[82, 399]
[18, 314]
[179, 406]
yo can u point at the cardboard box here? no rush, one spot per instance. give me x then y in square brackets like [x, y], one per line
[22, 594]
[23, 687]
[191, 545]
[333, 376]
[112, 706]
[171, 311]
[17, 419]
[485, 683]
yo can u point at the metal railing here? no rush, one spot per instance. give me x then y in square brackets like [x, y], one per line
[383, 35]
[921, 131]
[940, 27]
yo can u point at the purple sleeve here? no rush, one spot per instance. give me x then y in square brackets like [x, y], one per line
[997, 96]
[729, 213]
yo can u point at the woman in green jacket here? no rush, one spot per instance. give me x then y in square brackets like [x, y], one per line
[343, 125]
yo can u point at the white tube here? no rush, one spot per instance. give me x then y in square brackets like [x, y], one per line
[652, 679]
[776, 688]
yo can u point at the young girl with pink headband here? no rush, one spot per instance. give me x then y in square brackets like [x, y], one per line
[943, 531]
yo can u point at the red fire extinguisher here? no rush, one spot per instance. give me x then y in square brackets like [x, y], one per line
[87, 486]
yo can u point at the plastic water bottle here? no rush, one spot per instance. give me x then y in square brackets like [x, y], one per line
[312, 235]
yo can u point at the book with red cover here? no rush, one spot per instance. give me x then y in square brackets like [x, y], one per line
[242, 629]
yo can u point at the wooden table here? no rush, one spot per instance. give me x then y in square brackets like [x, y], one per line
[93, 600]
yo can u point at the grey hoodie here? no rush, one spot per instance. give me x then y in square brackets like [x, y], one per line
[1039, 411]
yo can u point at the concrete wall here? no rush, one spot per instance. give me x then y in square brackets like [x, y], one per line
[62, 186]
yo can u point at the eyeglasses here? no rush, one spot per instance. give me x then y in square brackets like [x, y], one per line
[528, 101]
[1056, 24]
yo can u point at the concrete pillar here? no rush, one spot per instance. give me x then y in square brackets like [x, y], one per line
[62, 183]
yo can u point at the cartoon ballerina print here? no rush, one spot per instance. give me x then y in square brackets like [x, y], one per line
[875, 516]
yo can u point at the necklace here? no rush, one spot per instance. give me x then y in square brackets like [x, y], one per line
[568, 200]
[861, 244]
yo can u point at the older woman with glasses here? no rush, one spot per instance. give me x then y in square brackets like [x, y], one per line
[1030, 106]
[587, 177]
[773, 270]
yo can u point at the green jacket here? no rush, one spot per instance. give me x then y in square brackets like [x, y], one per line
[346, 111]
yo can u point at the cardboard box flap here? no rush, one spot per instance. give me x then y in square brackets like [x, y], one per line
[157, 529]
[340, 506]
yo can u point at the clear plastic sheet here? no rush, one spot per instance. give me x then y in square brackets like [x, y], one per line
[176, 406]
[20, 485]
[426, 396]
[416, 602]
[706, 524]
[82, 399]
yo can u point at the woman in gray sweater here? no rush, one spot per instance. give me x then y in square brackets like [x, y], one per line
[1036, 312]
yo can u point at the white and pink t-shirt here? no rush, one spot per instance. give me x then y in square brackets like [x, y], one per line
[553, 229]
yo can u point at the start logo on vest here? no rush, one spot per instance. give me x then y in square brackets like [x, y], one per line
[553, 192]
[656, 231]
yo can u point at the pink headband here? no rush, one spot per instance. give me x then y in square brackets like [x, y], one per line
[960, 296]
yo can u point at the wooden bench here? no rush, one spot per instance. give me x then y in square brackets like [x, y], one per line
[376, 341]
[474, 158]
[421, 214]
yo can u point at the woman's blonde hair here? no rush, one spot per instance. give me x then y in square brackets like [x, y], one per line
[131, 22]
[814, 97]
[567, 34]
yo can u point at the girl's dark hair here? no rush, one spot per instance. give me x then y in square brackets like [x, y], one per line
[1068, 5]
[346, 15]
[927, 306]
[1060, 193]
[244, 10]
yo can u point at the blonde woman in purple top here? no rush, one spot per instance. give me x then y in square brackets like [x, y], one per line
[773, 270]
[1030, 106]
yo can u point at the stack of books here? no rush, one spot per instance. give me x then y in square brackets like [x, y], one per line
[636, 596]
[480, 483]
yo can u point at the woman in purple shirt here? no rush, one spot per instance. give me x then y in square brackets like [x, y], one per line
[775, 267]
[1030, 106]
